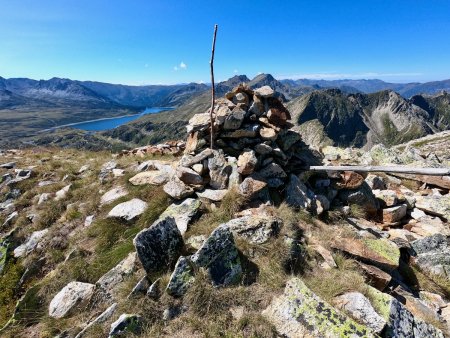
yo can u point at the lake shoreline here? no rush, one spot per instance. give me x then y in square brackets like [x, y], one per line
[109, 118]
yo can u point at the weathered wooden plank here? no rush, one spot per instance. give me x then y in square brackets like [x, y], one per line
[385, 169]
[439, 181]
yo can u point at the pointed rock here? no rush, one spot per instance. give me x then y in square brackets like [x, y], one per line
[72, 295]
[183, 213]
[220, 257]
[182, 277]
[159, 246]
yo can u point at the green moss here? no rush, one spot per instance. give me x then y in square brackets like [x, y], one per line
[380, 301]
[384, 248]
[8, 290]
[3, 255]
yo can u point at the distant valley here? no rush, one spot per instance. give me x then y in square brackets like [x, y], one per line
[348, 112]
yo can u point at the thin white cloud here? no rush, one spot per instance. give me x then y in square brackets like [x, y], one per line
[235, 71]
[335, 76]
[181, 66]
[146, 65]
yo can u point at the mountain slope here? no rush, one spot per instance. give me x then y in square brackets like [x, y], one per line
[438, 106]
[366, 119]
[374, 85]
[147, 96]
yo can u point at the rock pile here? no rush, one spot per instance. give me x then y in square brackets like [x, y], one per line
[254, 150]
[167, 148]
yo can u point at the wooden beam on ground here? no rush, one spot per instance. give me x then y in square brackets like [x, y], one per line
[385, 169]
[439, 181]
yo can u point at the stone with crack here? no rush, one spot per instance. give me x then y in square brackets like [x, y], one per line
[160, 245]
[219, 257]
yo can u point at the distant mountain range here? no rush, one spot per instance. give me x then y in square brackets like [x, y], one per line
[371, 86]
[328, 114]
[28, 106]
[367, 119]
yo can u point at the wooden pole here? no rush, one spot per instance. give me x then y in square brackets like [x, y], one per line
[385, 169]
[213, 92]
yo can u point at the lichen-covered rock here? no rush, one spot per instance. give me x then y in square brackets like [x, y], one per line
[159, 246]
[379, 252]
[297, 194]
[126, 323]
[288, 138]
[219, 170]
[394, 214]
[212, 195]
[432, 255]
[255, 229]
[400, 322]
[234, 120]
[112, 195]
[109, 281]
[129, 210]
[72, 295]
[34, 240]
[153, 177]
[359, 307]
[387, 197]
[182, 277]
[154, 290]
[220, 257]
[176, 189]
[301, 313]
[198, 122]
[183, 213]
[189, 176]
[361, 196]
[434, 205]
[141, 287]
[103, 317]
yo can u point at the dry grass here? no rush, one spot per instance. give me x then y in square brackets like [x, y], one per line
[231, 203]
[330, 283]
[357, 211]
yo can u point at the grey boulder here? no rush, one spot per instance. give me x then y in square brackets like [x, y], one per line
[182, 277]
[220, 257]
[129, 210]
[159, 246]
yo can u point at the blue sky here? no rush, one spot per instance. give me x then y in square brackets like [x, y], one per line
[165, 41]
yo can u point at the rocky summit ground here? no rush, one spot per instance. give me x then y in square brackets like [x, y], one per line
[180, 240]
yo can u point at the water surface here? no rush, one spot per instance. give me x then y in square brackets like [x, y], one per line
[114, 122]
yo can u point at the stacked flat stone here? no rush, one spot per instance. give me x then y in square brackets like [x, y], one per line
[254, 147]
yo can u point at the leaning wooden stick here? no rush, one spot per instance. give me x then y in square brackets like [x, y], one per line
[386, 169]
[213, 92]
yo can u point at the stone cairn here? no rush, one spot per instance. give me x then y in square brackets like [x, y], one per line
[255, 150]
[168, 148]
